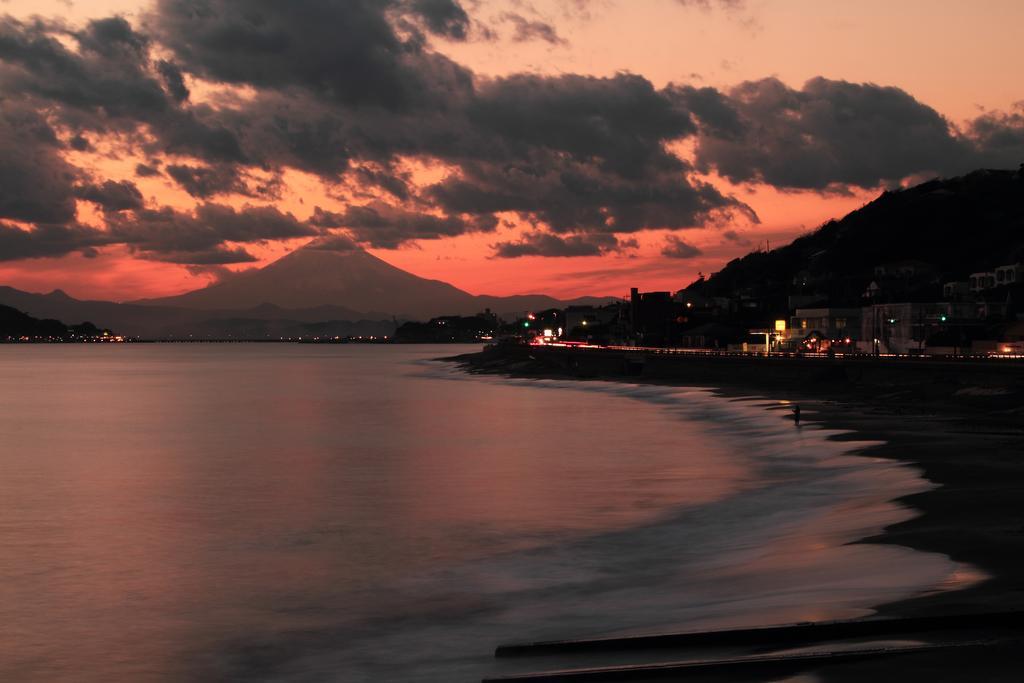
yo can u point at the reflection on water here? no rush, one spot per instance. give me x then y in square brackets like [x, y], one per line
[354, 513]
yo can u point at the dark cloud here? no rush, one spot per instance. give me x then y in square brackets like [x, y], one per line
[105, 79]
[112, 37]
[620, 122]
[579, 154]
[346, 52]
[146, 171]
[47, 241]
[826, 133]
[204, 258]
[107, 85]
[351, 90]
[182, 237]
[998, 137]
[79, 143]
[36, 183]
[526, 30]
[173, 80]
[444, 17]
[736, 238]
[204, 182]
[395, 184]
[546, 244]
[676, 247]
[112, 195]
[708, 4]
[333, 242]
[381, 225]
[577, 197]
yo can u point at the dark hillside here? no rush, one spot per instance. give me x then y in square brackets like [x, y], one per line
[952, 227]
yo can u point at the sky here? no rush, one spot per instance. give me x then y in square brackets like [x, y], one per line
[568, 147]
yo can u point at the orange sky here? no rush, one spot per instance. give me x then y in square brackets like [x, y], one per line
[952, 56]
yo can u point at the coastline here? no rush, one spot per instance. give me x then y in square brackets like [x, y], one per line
[961, 427]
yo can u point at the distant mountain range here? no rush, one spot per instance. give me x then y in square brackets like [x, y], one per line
[953, 227]
[15, 325]
[311, 291]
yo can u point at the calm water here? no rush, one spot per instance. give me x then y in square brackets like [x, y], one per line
[358, 513]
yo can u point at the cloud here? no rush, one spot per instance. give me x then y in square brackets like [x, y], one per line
[345, 52]
[146, 171]
[212, 257]
[199, 237]
[736, 238]
[998, 137]
[676, 248]
[36, 183]
[709, 4]
[443, 17]
[204, 182]
[47, 241]
[527, 30]
[111, 195]
[576, 197]
[546, 244]
[174, 81]
[826, 133]
[333, 242]
[356, 93]
[382, 225]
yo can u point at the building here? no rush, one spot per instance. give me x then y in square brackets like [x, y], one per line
[826, 323]
[579, 318]
[1009, 275]
[979, 282]
[905, 270]
[653, 316]
[912, 327]
[954, 291]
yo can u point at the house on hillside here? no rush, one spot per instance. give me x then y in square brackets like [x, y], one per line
[905, 270]
[979, 282]
[955, 291]
[579, 318]
[827, 323]
[1009, 275]
[912, 327]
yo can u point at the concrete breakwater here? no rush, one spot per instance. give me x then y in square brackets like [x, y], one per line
[983, 383]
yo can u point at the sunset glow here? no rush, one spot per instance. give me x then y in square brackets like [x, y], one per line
[568, 147]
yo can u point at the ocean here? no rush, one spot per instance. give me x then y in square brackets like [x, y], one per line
[357, 513]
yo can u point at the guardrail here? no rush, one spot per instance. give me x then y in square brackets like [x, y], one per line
[660, 350]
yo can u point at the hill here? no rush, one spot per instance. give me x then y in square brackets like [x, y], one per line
[15, 325]
[948, 227]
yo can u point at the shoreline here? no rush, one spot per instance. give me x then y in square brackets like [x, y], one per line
[961, 429]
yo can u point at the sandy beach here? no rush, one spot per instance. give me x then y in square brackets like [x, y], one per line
[961, 425]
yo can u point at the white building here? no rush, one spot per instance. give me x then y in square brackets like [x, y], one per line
[952, 291]
[1009, 275]
[979, 282]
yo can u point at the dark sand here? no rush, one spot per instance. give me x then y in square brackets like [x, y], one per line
[961, 424]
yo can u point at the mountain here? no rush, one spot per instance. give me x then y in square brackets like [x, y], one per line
[948, 227]
[167, 322]
[355, 280]
[307, 292]
[308, 277]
